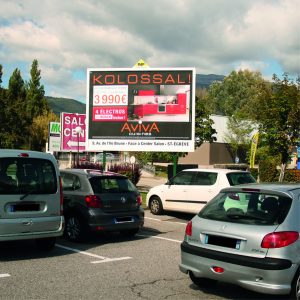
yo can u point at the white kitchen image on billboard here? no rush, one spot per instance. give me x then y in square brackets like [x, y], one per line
[141, 110]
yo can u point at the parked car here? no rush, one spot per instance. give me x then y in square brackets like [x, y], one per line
[96, 201]
[30, 197]
[247, 235]
[189, 190]
[108, 156]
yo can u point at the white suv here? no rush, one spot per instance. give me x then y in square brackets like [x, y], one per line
[189, 190]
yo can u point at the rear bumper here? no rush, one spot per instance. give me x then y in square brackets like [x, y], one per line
[100, 221]
[264, 275]
[35, 234]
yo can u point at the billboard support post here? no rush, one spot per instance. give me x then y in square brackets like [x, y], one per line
[78, 131]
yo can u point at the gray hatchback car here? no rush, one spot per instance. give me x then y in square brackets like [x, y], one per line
[96, 201]
[247, 235]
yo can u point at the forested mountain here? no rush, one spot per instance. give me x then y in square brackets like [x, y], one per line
[59, 105]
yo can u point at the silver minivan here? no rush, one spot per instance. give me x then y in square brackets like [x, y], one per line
[31, 200]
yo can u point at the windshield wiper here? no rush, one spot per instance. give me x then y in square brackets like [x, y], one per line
[26, 194]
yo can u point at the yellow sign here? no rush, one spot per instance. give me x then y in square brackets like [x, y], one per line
[141, 63]
[253, 149]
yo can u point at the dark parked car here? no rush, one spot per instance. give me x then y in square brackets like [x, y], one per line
[96, 201]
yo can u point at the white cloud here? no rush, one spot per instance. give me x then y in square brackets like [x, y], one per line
[213, 36]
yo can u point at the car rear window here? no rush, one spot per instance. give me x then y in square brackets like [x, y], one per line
[247, 208]
[240, 178]
[111, 185]
[27, 175]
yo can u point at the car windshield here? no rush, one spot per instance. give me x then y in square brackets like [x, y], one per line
[240, 178]
[111, 185]
[247, 208]
[25, 175]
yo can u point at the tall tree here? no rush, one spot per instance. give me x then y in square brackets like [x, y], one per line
[232, 95]
[36, 102]
[239, 137]
[15, 112]
[39, 130]
[277, 110]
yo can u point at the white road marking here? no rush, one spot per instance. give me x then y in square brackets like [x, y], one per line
[110, 259]
[153, 219]
[159, 237]
[4, 275]
[102, 258]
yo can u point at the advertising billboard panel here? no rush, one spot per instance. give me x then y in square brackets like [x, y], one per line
[72, 139]
[54, 137]
[141, 109]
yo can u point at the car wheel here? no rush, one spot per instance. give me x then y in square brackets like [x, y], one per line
[74, 228]
[202, 282]
[295, 288]
[45, 244]
[130, 232]
[156, 206]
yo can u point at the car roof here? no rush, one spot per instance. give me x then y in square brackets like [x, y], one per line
[272, 187]
[91, 172]
[216, 170]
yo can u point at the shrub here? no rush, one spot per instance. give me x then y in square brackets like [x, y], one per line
[133, 173]
[292, 175]
[268, 171]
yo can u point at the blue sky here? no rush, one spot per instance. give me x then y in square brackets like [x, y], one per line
[214, 36]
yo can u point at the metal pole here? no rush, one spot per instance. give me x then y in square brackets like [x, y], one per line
[77, 149]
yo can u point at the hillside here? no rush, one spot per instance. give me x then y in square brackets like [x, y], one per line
[59, 105]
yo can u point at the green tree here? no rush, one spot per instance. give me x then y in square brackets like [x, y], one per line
[239, 137]
[277, 111]
[39, 130]
[233, 95]
[36, 102]
[15, 112]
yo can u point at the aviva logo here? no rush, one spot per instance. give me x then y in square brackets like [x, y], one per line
[54, 127]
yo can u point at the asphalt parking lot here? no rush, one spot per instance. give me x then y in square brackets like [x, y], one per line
[109, 267]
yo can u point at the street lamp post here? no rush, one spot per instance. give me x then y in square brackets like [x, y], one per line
[78, 130]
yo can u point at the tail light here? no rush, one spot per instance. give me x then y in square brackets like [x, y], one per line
[188, 229]
[61, 197]
[279, 239]
[93, 201]
[139, 200]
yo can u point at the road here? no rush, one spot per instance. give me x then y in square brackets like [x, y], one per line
[109, 267]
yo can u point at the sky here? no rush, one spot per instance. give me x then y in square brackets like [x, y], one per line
[214, 36]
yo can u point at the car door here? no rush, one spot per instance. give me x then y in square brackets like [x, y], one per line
[201, 190]
[177, 193]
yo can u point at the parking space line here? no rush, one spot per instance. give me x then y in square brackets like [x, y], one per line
[79, 251]
[159, 237]
[4, 275]
[110, 259]
[165, 221]
[103, 259]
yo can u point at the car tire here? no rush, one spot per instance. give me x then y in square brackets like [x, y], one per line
[75, 229]
[155, 206]
[129, 232]
[295, 287]
[202, 282]
[45, 244]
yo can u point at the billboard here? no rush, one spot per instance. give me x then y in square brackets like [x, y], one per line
[71, 139]
[54, 137]
[141, 109]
